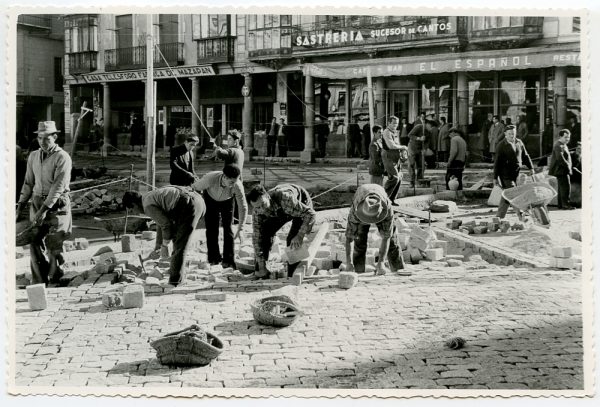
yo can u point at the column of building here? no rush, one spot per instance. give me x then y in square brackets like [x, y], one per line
[560, 90]
[247, 114]
[106, 117]
[196, 107]
[308, 154]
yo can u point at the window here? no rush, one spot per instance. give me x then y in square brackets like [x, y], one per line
[486, 23]
[436, 98]
[81, 34]
[58, 75]
[576, 24]
[481, 102]
[168, 28]
[267, 32]
[520, 96]
[210, 26]
[124, 28]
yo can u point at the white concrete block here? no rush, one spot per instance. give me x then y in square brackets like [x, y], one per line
[347, 280]
[434, 254]
[36, 296]
[133, 296]
[565, 263]
[563, 252]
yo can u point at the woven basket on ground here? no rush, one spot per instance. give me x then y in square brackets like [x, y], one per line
[26, 233]
[275, 311]
[188, 347]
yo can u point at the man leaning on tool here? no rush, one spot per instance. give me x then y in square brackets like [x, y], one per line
[176, 211]
[510, 156]
[47, 184]
[271, 210]
[371, 205]
[220, 187]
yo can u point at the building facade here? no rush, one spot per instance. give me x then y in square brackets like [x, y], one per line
[218, 72]
[39, 73]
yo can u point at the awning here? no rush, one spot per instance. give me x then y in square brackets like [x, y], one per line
[520, 58]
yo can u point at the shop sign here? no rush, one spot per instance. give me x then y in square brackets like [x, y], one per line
[159, 73]
[245, 91]
[356, 36]
[394, 67]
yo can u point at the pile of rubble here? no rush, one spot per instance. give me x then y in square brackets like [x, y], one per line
[95, 201]
[480, 226]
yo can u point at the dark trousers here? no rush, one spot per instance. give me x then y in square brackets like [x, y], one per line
[322, 141]
[282, 144]
[219, 212]
[354, 148]
[564, 190]
[391, 163]
[506, 183]
[455, 168]
[46, 249]
[394, 255]
[269, 229]
[185, 215]
[271, 143]
[415, 166]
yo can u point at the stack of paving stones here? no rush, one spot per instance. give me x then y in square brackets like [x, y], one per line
[480, 226]
[562, 258]
[95, 201]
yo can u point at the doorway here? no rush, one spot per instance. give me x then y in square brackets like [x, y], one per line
[398, 104]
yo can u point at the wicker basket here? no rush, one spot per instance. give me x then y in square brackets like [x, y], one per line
[275, 311]
[26, 232]
[188, 347]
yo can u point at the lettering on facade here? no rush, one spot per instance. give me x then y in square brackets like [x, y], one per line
[348, 36]
[141, 74]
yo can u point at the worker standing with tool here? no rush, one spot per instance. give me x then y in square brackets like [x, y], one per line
[233, 154]
[182, 162]
[271, 210]
[418, 144]
[47, 184]
[176, 211]
[220, 188]
[371, 206]
[561, 167]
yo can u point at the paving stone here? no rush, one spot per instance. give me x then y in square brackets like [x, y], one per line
[133, 296]
[211, 297]
[36, 295]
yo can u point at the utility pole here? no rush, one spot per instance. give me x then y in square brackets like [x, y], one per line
[150, 137]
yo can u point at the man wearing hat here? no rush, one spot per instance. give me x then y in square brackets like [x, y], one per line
[47, 184]
[510, 156]
[561, 166]
[457, 157]
[233, 154]
[371, 205]
[182, 162]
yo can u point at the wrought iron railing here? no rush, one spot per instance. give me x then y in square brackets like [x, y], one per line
[214, 50]
[135, 57]
[82, 62]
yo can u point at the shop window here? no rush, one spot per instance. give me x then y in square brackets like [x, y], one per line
[168, 28]
[481, 103]
[574, 97]
[519, 96]
[436, 99]
[124, 29]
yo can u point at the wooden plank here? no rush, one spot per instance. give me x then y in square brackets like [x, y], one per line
[315, 245]
[417, 213]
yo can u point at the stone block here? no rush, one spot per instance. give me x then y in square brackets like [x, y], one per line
[480, 230]
[347, 280]
[475, 257]
[148, 235]
[417, 243]
[465, 230]
[334, 272]
[211, 297]
[297, 278]
[311, 271]
[296, 255]
[133, 296]
[442, 244]
[156, 273]
[434, 254]
[575, 235]
[103, 268]
[36, 296]
[455, 257]
[152, 281]
[323, 253]
[564, 263]
[370, 269]
[563, 252]
[129, 243]
[81, 243]
[454, 262]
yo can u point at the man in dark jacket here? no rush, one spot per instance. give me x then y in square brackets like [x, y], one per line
[182, 162]
[510, 155]
[272, 131]
[562, 168]
[353, 139]
[366, 140]
[419, 142]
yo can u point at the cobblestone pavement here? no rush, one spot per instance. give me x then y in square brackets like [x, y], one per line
[523, 330]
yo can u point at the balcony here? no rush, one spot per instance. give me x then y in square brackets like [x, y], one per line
[518, 34]
[83, 62]
[135, 57]
[216, 50]
[370, 33]
[271, 53]
[35, 21]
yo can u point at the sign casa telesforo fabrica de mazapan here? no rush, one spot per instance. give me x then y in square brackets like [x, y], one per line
[353, 35]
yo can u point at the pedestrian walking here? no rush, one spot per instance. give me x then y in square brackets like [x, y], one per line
[419, 142]
[282, 138]
[233, 154]
[561, 167]
[353, 139]
[371, 206]
[271, 131]
[457, 157]
[181, 161]
[271, 210]
[322, 135]
[366, 140]
[220, 188]
[393, 155]
[444, 140]
[495, 135]
[405, 128]
[376, 168]
[46, 182]
[176, 211]
[510, 156]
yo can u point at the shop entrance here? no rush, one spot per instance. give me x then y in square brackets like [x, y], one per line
[398, 104]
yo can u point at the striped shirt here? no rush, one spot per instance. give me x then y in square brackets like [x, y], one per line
[212, 183]
[48, 178]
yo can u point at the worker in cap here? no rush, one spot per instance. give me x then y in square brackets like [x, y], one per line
[371, 205]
